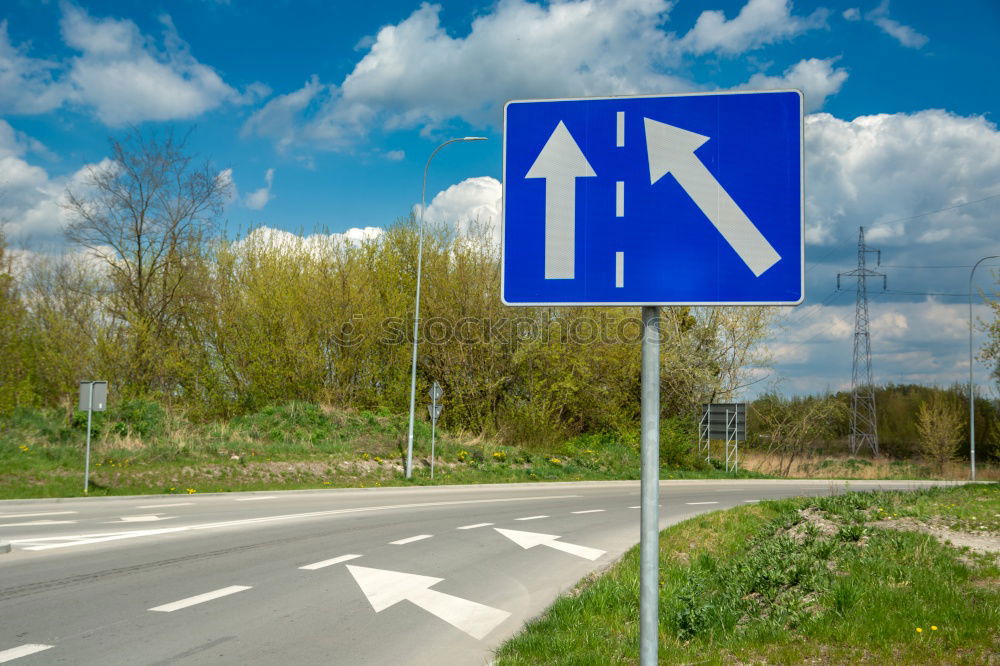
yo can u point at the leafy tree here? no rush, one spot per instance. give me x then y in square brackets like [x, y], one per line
[939, 424]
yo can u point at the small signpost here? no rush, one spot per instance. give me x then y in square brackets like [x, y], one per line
[653, 200]
[725, 421]
[434, 409]
[93, 398]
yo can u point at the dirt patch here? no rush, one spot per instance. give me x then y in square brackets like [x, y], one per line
[978, 542]
[814, 517]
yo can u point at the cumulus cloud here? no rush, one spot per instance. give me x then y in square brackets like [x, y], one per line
[27, 85]
[817, 79]
[759, 22]
[259, 198]
[471, 206]
[314, 244]
[903, 34]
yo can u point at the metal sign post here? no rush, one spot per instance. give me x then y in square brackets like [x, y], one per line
[435, 411]
[586, 183]
[93, 398]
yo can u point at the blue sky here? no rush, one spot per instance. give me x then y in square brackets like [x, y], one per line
[342, 103]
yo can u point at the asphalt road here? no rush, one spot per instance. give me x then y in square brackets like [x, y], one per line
[430, 575]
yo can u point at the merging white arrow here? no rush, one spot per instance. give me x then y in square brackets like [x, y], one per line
[671, 150]
[560, 163]
[531, 539]
[386, 588]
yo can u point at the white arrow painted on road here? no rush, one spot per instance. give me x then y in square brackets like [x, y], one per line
[385, 588]
[671, 150]
[560, 163]
[531, 539]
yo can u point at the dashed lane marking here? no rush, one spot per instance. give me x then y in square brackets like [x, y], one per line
[330, 562]
[200, 599]
[35, 523]
[36, 515]
[419, 537]
[474, 526]
[255, 499]
[164, 506]
[589, 511]
[22, 651]
[699, 503]
[531, 518]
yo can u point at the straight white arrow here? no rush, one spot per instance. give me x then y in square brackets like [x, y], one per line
[385, 588]
[671, 150]
[531, 539]
[560, 163]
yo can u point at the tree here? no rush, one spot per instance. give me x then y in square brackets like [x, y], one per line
[790, 427]
[939, 425]
[145, 213]
[991, 348]
[16, 376]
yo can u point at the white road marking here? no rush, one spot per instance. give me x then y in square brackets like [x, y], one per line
[142, 519]
[36, 515]
[84, 539]
[472, 527]
[751, 500]
[384, 588]
[331, 562]
[40, 522]
[419, 537]
[164, 506]
[531, 518]
[637, 506]
[620, 135]
[619, 269]
[589, 511]
[200, 599]
[22, 651]
[531, 539]
[254, 499]
[699, 503]
[619, 198]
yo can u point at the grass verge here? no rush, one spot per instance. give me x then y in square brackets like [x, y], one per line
[854, 578]
[140, 448]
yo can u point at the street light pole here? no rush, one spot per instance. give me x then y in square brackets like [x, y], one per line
[416, 309]
[972, 412]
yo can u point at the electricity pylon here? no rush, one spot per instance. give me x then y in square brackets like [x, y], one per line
[864, 431]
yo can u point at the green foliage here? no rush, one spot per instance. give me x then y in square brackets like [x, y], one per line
[138, 417]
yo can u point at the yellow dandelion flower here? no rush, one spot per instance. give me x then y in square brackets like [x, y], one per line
[919, 630]
[933, 628]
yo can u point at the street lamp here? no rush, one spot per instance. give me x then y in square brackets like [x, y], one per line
[416, 310]
[972, 413]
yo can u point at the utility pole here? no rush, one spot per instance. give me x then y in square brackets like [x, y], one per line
[864, 431]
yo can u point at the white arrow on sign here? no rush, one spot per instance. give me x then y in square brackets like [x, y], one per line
[671, 150]
[560, 163]
[531, 539]
[386, 588]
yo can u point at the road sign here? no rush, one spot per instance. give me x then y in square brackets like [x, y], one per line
[724, 420]
[100, 396]
[436, 392]
[655, 200]
[434, 411]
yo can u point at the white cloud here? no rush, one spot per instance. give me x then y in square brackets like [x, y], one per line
[259, 198]
[817, 79]
[759, 22]
[395, 155]
[127, 79]
[904, 34]
[876, 171]
[27, 85]
[472, 205]
[852, 14]
[314, 245]
[278, 118]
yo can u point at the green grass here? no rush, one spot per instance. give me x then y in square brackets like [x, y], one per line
[794, 581]
[140, 448]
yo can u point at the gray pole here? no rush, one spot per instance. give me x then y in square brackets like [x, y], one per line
[972, 409]
[649, 538]
[86, 468]
[416, 309]
[434, 420]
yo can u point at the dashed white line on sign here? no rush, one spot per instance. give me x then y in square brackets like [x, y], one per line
[531, 518]
[40, 522]
[698, 503]
[474, 526]
[331, 562]
[589, 511]
[255, 499]
[21, 651]
[411, 539]
[36, 515]
[164, 506]
[200, 599]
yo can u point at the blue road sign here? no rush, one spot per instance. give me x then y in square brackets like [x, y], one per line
[665, 200]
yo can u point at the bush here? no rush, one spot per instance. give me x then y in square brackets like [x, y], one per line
[143, 418]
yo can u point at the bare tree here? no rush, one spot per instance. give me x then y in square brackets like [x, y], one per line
[145, 213]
